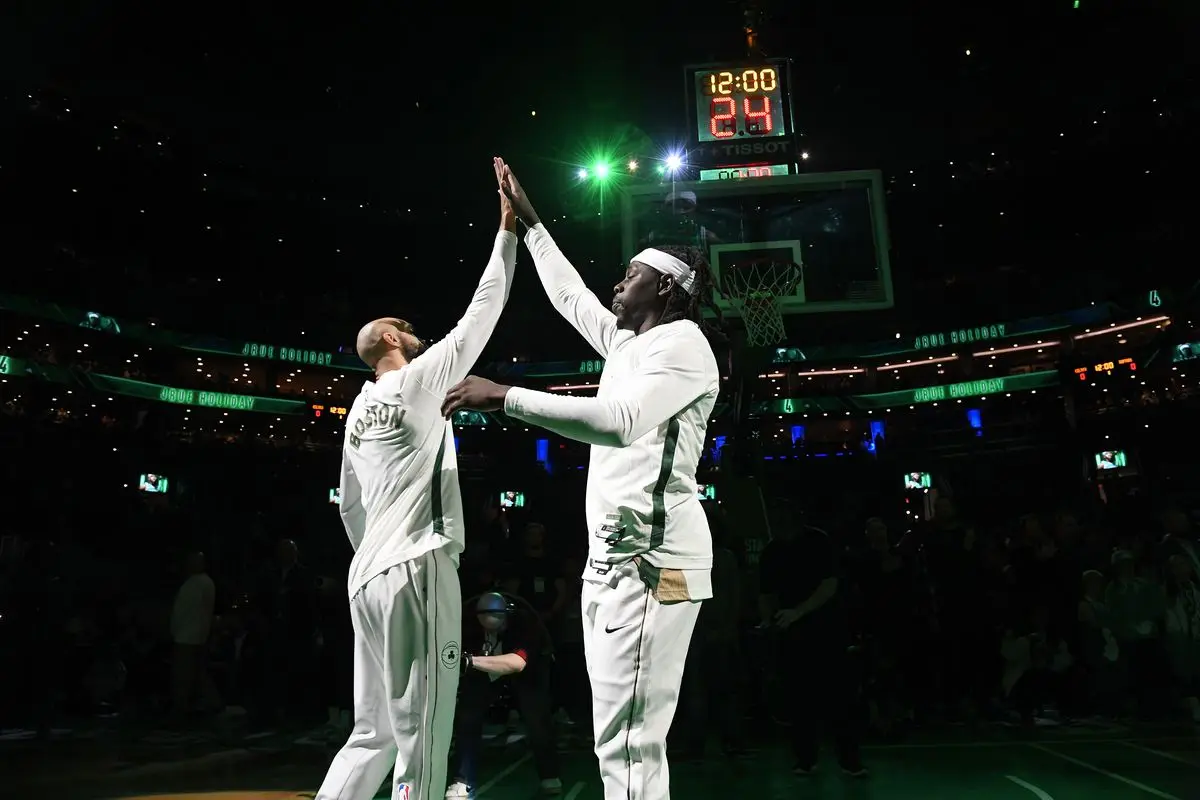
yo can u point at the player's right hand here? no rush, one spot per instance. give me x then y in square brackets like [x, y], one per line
[508, 217]
[511, 188]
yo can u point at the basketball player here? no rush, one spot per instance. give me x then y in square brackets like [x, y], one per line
[650, 554]
[403, 513]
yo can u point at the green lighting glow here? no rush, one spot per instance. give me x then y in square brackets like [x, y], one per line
[290, 354]
[11, 366]
[980, 333]
[602, 171]
[926, 394]
[193, 397]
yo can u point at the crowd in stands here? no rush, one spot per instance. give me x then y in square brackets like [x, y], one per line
[229, 591]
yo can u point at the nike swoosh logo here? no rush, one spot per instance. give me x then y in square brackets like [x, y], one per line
[610, 629]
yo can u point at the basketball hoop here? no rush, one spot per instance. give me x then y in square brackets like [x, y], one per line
[755, 289]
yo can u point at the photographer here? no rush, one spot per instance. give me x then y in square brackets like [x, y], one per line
[504, 641]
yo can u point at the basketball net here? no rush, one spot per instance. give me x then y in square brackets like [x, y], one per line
[755, 291]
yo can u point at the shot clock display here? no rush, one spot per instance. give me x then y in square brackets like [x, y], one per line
[739, 103]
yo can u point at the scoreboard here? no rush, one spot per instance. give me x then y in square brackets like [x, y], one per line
[1107, 368]
[741, 116]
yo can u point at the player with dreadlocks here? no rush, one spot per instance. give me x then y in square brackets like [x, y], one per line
[650, 551]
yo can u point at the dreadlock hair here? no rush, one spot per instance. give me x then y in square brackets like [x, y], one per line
[682, 304]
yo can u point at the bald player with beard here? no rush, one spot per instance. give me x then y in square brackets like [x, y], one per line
[403, 514]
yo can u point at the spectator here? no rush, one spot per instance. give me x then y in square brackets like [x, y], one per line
[1182, 630]
[504, 641]
[191, 623]
[799, 596]
[1099, 650]
[1137, 605]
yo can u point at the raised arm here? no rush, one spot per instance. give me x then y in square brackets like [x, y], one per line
[448, 362]
[566, 290]
[669, 378]
[354, 515]
[568, 293]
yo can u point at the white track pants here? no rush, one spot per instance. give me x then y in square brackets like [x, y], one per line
[635, 648]
[407, 623]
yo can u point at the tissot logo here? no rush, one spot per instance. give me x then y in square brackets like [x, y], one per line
[751, 148]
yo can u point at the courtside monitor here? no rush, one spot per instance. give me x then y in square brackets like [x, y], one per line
[1111, 460]
[512, 499]
[153, 483]
[917, 481]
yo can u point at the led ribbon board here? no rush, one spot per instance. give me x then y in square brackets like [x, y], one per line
[908, 397]
[291, 355]
[300, 356]
[980, 333]
[557, 369]
[194, 397]
[200, 344]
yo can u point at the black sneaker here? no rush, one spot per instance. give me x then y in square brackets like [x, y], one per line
[855, 771]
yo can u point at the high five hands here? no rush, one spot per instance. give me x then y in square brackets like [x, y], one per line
[510, 187]
[508, 217]
[478, 394]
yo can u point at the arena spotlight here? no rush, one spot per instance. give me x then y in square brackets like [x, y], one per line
[582, 174]
[674, 162]
[633, 165]
[601, 170]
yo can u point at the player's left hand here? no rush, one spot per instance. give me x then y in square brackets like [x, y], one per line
[788, 617]
[476, 394]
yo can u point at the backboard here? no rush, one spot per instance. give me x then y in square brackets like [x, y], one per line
[831, 226]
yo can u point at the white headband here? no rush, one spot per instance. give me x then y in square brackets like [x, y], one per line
[668, 264]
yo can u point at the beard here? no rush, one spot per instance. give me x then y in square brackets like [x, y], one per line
[413, 349]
